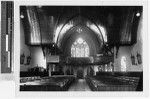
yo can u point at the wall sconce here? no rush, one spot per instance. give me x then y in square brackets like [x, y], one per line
[139, 59]
[22, 57]
[21, 15]
[28, 60]
[133, 60]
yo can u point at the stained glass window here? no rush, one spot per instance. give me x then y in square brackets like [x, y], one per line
[80, 48]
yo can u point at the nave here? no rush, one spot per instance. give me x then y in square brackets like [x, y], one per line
[79, 85]
[105, 82]
[81, 48]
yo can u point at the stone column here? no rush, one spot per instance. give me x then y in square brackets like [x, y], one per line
[94, 70]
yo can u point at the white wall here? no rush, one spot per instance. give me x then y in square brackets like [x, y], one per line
[23, 49]
[37, 57]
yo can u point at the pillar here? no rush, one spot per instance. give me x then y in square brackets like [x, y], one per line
[85, 71]
[49, 70]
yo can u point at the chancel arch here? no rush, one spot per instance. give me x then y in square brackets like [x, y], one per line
[74, 21]
[86, 34]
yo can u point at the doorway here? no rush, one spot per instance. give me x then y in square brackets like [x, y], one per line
[80, 73]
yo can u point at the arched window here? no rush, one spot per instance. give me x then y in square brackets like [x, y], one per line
[123, 64]
[80, 48]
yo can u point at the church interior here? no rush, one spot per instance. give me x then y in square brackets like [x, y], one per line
[81, 48]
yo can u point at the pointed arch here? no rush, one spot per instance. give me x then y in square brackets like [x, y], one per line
[74, 21]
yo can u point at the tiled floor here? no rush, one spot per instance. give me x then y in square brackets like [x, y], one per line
[79, 85]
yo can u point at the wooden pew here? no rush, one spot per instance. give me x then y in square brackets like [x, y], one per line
[112, 83]
[48, 84]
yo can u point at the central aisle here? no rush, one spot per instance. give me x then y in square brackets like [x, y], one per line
[79, 85]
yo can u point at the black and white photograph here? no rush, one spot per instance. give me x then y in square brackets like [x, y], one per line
[74, 48]
[81, 48]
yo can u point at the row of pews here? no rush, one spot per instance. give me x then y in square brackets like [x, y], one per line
[54, 83]
[114, 82]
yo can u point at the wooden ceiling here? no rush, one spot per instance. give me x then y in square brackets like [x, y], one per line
[121, 22]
